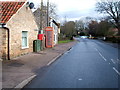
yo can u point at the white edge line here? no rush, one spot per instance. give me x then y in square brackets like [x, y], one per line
[1, 59]
[116, 71]
[118, 60]
[25, 82]
[53, 60]
[59, 56]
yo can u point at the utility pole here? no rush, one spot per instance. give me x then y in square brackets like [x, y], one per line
[47, 12]
[41, 16]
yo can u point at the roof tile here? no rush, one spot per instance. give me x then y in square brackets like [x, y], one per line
[8, 9]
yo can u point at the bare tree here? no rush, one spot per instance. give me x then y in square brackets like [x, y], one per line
[93, 28]
[68, 29]
[53, 10]
[80, 26]
[41, 14]
[111, 8]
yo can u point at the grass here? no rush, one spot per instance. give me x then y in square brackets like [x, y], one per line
[64, 41]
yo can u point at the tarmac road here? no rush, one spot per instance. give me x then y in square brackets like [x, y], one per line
[89, 64]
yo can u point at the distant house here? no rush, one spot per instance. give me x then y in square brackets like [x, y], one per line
[56, 30]
[17, 29]
[113, 31]
[38, 18]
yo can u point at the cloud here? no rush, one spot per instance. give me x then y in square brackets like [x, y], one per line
[72, 14]
[72, 9]
[75, 9]
[79, 13]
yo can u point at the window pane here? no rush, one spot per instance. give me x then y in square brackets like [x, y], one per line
[24, 38]
[24, 42]
[24, 33]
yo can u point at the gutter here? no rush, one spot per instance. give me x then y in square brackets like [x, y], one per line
[8, 45]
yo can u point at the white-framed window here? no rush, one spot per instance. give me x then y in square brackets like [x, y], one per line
[24, 39]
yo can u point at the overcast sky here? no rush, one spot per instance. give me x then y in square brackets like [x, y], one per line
[72, 9]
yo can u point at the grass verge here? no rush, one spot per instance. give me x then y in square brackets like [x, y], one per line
[65, 41]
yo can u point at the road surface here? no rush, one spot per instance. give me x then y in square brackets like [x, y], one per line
[89, 64]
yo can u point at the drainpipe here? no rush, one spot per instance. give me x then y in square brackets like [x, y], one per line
[8, 45]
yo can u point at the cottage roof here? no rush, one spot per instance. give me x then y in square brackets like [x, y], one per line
[8, 9]
[57, 24]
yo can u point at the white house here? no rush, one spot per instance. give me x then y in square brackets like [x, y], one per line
[56, 27]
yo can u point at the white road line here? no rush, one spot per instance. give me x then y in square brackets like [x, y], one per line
[103, 57]
[96, 49]
[118, 60]
[113, 61]
[80, 79]
[116, 71]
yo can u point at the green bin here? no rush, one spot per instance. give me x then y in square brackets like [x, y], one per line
[36, 45]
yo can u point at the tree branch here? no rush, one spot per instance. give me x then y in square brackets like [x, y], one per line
[117, 10]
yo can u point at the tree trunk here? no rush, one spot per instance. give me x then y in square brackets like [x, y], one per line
[118, 39]
[118, 30]
[118, 26]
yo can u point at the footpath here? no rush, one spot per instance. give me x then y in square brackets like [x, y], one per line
[18, 72]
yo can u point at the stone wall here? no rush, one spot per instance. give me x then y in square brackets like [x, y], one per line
[23, 20]
[0, 43]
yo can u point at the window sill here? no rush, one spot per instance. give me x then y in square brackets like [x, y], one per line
[24, 47]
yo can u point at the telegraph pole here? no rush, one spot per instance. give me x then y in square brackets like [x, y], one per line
[41, 16]
[47, 12]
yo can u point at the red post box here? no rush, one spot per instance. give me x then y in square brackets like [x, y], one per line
[40, 36]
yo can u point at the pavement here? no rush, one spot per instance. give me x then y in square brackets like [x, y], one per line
[17, 72]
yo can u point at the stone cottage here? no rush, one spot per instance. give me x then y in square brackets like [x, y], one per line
[17, 29]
